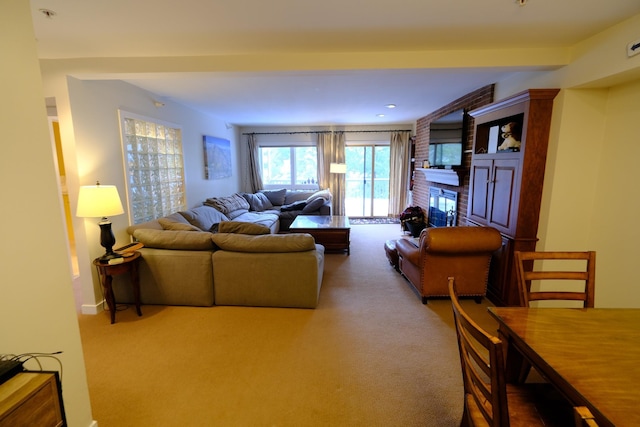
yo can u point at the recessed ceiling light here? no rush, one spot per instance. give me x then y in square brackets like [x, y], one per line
[380, 115]
[390, 105]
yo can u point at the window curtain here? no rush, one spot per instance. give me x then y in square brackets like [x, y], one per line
[255, 180]
[398, 172]
[331, 150]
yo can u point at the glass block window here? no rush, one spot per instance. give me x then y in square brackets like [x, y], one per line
[154, 166]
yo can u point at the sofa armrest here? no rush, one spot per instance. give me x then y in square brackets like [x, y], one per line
[407, 250]
[325, 209]
[458, 240]
[171, 239]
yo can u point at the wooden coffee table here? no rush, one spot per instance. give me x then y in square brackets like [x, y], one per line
[332, 232]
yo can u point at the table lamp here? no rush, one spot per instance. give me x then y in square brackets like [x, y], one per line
[100, 201]
[337, 168]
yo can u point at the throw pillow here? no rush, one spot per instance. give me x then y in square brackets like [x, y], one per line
[203, 217]
[325, 194]
[314, 205]
[295, 206]
[266, 203]
[167, 224]
[242, 228]
[276, 197]
[257, 202]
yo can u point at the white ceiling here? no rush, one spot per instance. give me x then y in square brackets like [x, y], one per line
[259, 29]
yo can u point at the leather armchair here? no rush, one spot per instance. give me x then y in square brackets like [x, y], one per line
[443, 252]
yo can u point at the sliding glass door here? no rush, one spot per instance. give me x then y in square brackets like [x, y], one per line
[367, 180]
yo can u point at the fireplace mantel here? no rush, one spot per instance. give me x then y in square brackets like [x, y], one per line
[444, 176]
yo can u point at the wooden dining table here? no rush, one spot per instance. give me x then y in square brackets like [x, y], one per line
[591, 355]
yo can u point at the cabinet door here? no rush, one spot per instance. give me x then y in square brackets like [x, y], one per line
[502, 200]
[479, 181]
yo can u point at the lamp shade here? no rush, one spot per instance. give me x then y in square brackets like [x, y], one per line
[338, 168]
[99, 201]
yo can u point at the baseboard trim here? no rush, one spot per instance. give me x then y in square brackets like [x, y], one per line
[92, 308]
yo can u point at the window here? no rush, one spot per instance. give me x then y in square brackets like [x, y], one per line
[294, 168]
[154, 167]
[367, 180]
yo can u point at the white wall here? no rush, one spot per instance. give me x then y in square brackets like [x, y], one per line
[614, 229]
[88, 113]
[589, 198]
[36, 300]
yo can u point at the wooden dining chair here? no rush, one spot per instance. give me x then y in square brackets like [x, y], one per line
[584, 417]
[488, 399]
[583, 271]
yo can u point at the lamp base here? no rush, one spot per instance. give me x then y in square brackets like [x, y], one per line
[108, 256]
[107, 240]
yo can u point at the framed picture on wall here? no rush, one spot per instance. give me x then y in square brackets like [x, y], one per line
[217, 157]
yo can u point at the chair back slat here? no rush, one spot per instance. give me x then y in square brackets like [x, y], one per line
[482, 360]
[584, 417]
[527, 271]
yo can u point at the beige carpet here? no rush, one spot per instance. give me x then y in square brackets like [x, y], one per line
[371, 354]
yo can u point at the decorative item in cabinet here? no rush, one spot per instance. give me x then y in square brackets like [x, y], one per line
[503, 135]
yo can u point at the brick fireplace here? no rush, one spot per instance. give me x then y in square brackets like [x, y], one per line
[421, 191]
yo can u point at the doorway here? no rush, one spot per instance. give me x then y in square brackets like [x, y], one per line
[367, 180]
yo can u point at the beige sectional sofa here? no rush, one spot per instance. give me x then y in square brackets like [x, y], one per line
[200, 258]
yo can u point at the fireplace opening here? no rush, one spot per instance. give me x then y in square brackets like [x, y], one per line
[443, 207]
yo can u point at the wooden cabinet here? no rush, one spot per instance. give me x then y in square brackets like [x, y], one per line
[493, 186]
[31, 399]
[506, 178]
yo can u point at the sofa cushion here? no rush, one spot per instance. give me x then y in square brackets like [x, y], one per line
[228, 204]
[172, 239]
[238, 212]
[258, 202]
[264, 218]
[242, 228]
[168, 224]
[204, 217]
[325, 194]
[276, 197]
[275, 243]
[314, 205]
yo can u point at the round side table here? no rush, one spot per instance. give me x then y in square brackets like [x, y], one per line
[107, 271]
